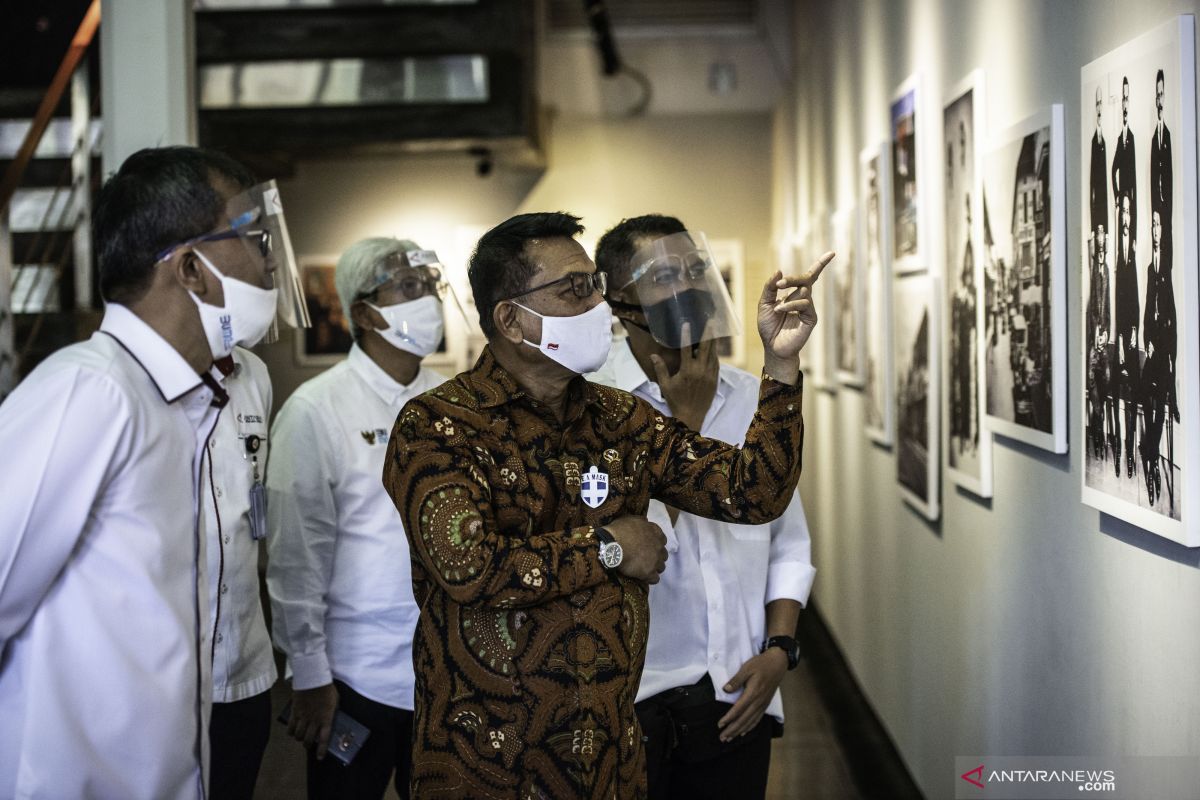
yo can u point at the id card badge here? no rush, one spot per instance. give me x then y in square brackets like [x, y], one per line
[258, 511]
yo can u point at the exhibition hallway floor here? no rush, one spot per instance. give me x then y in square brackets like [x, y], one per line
[832, 748]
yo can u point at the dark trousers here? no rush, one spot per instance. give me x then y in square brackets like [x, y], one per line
[685, 759]
[238, 735]
[388, 749]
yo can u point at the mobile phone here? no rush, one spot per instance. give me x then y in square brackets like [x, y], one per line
[345, 739]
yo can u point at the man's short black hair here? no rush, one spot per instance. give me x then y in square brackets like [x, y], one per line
[159, 197]
[616, 248]
[500, 266]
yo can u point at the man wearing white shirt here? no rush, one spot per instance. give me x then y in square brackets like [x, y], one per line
[723, 615]
[339, 573]
[243, 665]
[104, 635]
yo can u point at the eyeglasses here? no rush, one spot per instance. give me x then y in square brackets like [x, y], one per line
[666, 270]
[259, 237]
[413, 283]
[582, 284]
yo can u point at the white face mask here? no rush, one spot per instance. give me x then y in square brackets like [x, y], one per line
[414, 326]
[245, 318]
[580, 343]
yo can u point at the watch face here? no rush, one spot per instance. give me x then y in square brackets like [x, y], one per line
[610, 555]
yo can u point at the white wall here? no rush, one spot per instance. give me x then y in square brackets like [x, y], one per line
[1028, 624]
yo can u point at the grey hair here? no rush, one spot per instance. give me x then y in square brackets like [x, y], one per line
[362, 267]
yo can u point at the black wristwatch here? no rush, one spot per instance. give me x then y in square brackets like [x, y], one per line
[789, 646]
[610, 551]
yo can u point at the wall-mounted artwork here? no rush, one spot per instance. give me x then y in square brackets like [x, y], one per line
[727, 253]
[968, 442]
[818, 356]
[918, 463]
[1024, 286]
[850, 344]
[908, 227]
[875, 174]
[328, 340]
[1140, 411]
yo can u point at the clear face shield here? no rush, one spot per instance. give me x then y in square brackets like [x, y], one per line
[256, 220]
[678, 285]
[416, 274]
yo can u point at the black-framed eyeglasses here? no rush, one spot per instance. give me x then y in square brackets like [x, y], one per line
[582, 284]
[236, 230]
[413, 283]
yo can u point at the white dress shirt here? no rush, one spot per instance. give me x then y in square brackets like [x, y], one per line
[243, 663]
[339, 573]
[103, 688]
[708, 610]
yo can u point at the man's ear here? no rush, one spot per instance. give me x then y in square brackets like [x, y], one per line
[366, 318]
[504, 317]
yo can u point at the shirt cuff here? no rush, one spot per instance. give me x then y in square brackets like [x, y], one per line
[310, 671]
[790, 581]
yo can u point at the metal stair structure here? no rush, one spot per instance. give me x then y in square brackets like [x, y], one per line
[49, 159]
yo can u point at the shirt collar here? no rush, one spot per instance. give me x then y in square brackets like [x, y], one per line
[629, 376]
[494, 386]
[389, 390]
[170, 372]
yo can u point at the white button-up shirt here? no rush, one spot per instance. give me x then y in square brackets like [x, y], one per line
[242, 662]
[339, 573]
[708, 610]
[103, 688]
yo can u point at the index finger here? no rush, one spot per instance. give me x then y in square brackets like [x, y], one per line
[810, 277]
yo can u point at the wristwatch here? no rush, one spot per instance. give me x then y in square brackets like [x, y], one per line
[789, 646]
[610, 551]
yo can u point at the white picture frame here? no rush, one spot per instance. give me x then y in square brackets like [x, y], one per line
[908, 197]
[967, 440]
[874, 188]
[916, 308]
[1172, 509]
[846, 281]
[729, 257]
[1024, 288]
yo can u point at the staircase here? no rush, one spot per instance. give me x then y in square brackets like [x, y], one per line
[49, 159]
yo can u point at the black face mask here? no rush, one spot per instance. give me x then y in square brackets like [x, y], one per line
[666, 317]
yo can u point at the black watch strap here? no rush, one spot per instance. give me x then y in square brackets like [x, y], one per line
[789, 646]
[602, 535]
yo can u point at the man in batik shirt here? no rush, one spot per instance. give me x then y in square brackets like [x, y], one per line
[523, 489]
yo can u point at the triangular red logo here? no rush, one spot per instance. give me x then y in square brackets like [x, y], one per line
[977, 772]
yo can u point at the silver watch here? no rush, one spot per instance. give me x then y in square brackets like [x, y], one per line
[610, 551]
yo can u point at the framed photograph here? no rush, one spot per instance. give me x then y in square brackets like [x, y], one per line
[967, 440]
[875, 174]
[847, 284]
[908, 226]
[918, 463]
[823, 341]
[328, 340]
[1024, 286]
[1141, 338]
[728, 254]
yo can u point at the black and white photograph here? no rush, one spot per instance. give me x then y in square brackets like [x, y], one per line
[1023, 290]
[907, 227]
[877, 286]
[848, 293]
[818, 358]
[917, 459]
[968, 443]
[1139, 291]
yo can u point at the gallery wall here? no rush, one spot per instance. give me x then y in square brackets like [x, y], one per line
[713, 171]
[1027, 624]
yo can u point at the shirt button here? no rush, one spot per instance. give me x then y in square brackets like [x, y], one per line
[226, 540]
[220, 637]
[218, 492]
[224, 588]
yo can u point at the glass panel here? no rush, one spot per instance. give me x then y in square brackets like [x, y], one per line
[56, 141]
[40, 209]
[244, 5]
[345, 82]
[34, 289]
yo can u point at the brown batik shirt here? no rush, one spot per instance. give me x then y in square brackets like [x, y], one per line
[528, 652]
